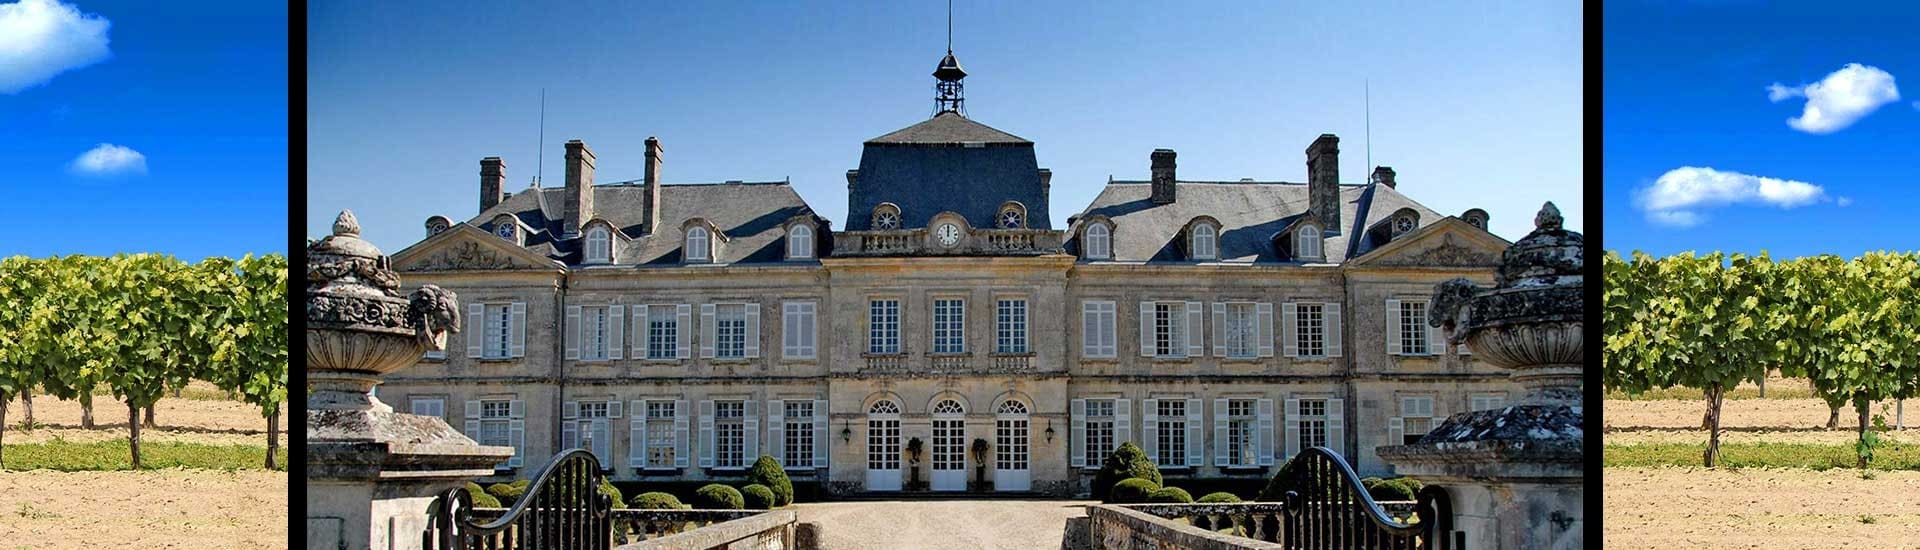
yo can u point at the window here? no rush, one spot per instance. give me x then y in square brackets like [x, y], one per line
[949, 326]
[1010, 218]
[797, 330]
[1011, 431]
[494, 417]
[663, 333]
[1097, 331]
[499, 329]
[883, 436]
[799, 434]
[1481, 402]
[504, 229]
[1099, 431]
[1416, 413]
[1010, 326]
[800, 242]
[1242, 330]
[883, 326]
[1313, 423]
[698, 244]
[593, 333]
[1203, 242]
[594, 432]
[1309, 245]
[1413, 327]
[1099, 242]
[730, 330]
[1172, 432]
[886, 217]
[599, 245]
[1169, 329]
[660, 434]
[428, 406]
[1312, 324]
[730, 434]
[1402, 225]
[1242, 448]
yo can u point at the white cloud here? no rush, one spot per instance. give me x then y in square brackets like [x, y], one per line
[1838, 100]
[1678, 195]
[1843, 202]
[108, 159]
[43, 38]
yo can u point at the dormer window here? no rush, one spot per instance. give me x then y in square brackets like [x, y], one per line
[506, 227]
[886, 217]
[1099, 242]
[1205, 242]
[699, 244]
[799, 242]
[599, 245]
[1476, 217]
[1402, 225]
[1012, 216]
[437, 225]
[1308, 244]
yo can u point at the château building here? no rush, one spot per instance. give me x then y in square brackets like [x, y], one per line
[681, 330]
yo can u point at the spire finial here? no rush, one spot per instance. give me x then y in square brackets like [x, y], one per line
[949, 27]
[948, 93]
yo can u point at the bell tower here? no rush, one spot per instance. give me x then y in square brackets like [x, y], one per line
[949, 93]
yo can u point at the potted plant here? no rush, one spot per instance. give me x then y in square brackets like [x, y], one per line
[914, 447]
[980, 450]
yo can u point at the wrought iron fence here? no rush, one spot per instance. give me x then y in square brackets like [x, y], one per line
[561, 509]
[1327, 506]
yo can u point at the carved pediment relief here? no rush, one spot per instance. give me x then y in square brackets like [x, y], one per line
[467, 256]
[1449, 251]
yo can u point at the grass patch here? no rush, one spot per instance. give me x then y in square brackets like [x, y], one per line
[68, 456]
[1893, 456]
[1693, 394]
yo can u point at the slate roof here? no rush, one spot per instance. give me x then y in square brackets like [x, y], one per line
[948, 128]
[947, 163]
[1250, 214]
[750, 214]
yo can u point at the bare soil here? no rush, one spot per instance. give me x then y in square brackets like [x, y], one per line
[1674, 508]
[1775, 414]
[147, 509]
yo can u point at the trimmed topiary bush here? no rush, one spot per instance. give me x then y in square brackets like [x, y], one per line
[506, 494]
[758, 497]
[1170, 495]
[1221, 497]
[1399, 488]
[657, 501]
[1132, 490]
[1127, 461]
[480, 497]
[770, 473]
[718, 497]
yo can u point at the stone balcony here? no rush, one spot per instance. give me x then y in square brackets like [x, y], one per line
[976, 242]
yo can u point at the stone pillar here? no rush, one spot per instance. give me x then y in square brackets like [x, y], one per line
[371, 472]
[1514, 474]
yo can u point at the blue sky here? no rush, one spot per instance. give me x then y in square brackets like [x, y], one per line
[405, 97]
[1690, 86]
[192, 99]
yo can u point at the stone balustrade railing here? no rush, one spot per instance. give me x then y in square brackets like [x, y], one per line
[981, 240]
[885, 362]
[949, 362]
[1005, 363]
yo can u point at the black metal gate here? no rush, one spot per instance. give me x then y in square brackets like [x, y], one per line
[562, 509]
[1328, 507]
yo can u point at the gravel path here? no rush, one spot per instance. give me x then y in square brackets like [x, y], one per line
[924, 524]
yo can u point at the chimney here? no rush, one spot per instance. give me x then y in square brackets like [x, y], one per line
[493, 179]
[651, 202]
[579, 206]
[1383, 174]
[1323, 182]
[1162, 176]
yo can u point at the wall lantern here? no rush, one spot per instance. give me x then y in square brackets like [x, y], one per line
[846, 431]
[1049, 431]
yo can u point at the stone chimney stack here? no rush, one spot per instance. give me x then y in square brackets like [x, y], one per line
[1163, 177]
[579, 206]
[1383, 175]
[1323, 182]
[493, 180]
[651, 184]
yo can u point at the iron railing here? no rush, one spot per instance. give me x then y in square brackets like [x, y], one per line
[1328, 507]
[561, 509]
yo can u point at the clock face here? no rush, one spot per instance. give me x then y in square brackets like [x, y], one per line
[949, 234]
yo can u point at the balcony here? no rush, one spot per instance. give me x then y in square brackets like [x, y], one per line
[977, 242]
[950, 362]
[885, 362]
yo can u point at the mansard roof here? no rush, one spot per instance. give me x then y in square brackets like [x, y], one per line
[1250, 214]
[751, 215]
[948, 128]
[936, 166]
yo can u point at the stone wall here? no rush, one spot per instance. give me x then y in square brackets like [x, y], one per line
[1118, 528]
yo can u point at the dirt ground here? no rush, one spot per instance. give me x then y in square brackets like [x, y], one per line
[179, 421]
[1760, 508]
[148, 509]
[1776, 414]
[928, 525]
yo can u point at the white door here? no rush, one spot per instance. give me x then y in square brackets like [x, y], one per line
[1011, 428]
[949, 447]
[883, 447]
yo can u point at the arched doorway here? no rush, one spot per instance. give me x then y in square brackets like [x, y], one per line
[949, 446]
[883, 446]
[1011, 471]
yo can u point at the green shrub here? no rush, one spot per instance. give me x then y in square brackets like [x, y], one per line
[607, 488]
[758, 497]
[1170, 495]
[718, 497]
[1127, 461]
[507, 493]
[1132, 490]
[657, 501]
[768, 472]
[480, 497]
[1221, 497]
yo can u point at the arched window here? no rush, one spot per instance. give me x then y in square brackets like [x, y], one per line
[436, 225]
[599, 245]
[1402, 225]
[1012, 216]
[698, 244]
[1012, 407]
[1204, 247]
[1309, 245]
[884, 406]
[799, 242]
[1099, 242]
[948, 406]
[886, 217]
[505, 229]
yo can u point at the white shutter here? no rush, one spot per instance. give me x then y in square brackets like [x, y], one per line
[1149, 431]
[753, 330]
[573, 332]
[637, 436]
[473, 420]
[1196, 436]
[681, 435]
[1336, 434]
[616, 317]
[1077, 433]
[706, 433]
[613, 409]
[1293, 428]
[516, 409]
[1220, 433]
[1330, 318]
[639, 328]
[820, 441]
[708, 332]
[1146, 329]
[682, 324]
[1263, 314]
[473, 410]
[750, 433]
[476, 329]
[789, 329]
[1393, 327]
[1263, 432]
[569, 428]
[602, 442]
[1219, 329]
[1089, 331]
[517, 436]
[570, 410]
[1196, 330]
[1435, 344]
[518, 347]
[1290, 329]
[1122, 422]
[1396, 430]
[777, 431]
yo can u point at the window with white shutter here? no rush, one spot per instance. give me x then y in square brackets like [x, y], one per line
[1170, 432]
[1097, 331]
[1416, 414]
[797, 332]
[428, 406]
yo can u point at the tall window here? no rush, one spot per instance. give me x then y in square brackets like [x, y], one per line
[594, 431]
[1310, 320]
[1204, 247]
[797, 330]
[883, 436]
[663, 333]
[660, 434]
[1413, 327]
[730, 330]
[799, 434]
[1313, 423]
[1170, 329]
[499, 329]
[1241, 446]
[599, 245]
[949, 326]
[800, 242]
[1172, 432]
[1099, 431]
[1309, 245]
[883, 326]
[1243, 330]
[1416, 413]
[1010, 322]
[593, 333]
[1099, 242]
[1097, 329]
[698, 244]
[730, 434]
[494, 415]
